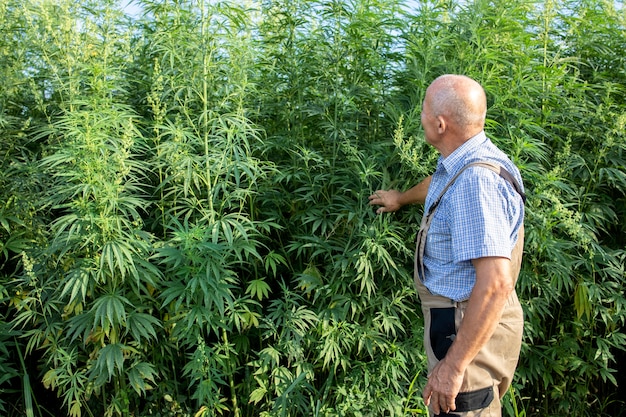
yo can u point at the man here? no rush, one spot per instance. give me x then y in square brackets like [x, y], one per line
[468, 254]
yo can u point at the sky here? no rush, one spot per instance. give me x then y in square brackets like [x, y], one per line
[131, 8]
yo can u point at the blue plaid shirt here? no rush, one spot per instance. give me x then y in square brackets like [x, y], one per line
[480, 215]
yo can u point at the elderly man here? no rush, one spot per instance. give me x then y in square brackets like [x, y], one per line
[468, 254]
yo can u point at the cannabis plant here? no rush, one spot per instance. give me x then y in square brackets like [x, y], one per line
[184, 222]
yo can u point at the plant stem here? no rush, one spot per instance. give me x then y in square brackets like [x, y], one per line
[231, 379]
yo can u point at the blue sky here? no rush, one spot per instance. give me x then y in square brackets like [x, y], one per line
[130, 7]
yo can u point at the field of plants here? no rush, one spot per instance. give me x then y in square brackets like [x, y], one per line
[184, 222]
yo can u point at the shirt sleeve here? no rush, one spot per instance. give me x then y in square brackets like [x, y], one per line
[480, 221]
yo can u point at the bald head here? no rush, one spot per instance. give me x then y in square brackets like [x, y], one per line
[460, 99]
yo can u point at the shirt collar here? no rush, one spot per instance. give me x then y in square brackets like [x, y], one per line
[456, 160]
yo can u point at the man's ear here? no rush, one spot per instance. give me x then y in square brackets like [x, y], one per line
[441, 125]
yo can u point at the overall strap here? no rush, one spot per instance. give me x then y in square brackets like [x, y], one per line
[506, 175]
[427, 218]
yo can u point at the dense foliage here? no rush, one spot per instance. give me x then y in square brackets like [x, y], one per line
[184, 219]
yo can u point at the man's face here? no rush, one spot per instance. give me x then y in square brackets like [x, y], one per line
[429, 121]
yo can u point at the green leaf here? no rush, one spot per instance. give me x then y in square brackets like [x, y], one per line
[77, 282]
[109, 310]
[111, 357]
[273, 260]
[257, 395]
[142, 326]
[582, 303]
[258, 288]
[142, 377]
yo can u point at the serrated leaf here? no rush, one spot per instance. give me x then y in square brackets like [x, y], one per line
[258, 288]
[109, 310]
[139, 376]
[113, 357]
[77, 282]
[581, 300]
[142, 326]
[257, 395]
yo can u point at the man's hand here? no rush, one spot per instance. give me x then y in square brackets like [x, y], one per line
[388, 200]
[392, 200]
[444, 384]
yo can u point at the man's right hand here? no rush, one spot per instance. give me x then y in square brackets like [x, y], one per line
[387, 200]
[392, 200]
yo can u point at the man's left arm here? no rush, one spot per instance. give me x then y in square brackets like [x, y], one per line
[494, 284]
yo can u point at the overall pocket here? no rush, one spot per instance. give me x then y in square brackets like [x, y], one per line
[442, 330]
[471, 401]
[474, 400]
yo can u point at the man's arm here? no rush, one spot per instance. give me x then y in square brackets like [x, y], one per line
[392, 200]
[494, 284]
